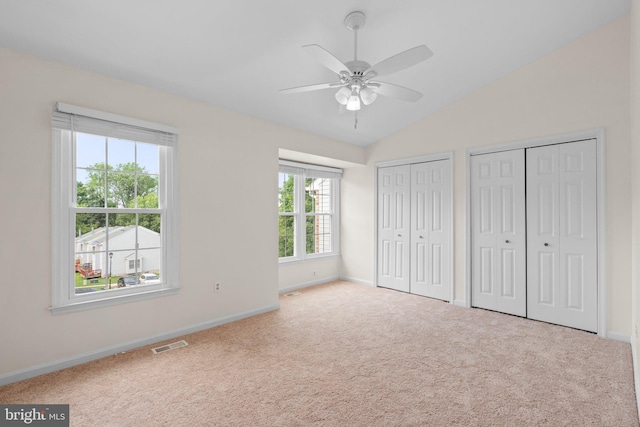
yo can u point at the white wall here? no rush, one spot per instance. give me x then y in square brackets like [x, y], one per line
[581, 86]
[299, 274]
[224, 157]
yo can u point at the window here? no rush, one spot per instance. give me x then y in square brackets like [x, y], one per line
[113, 205]
[134, 264]
[307, 210]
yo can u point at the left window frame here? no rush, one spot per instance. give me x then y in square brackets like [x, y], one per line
[67, 121]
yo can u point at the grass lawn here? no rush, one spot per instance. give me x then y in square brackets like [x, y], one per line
[97, 283]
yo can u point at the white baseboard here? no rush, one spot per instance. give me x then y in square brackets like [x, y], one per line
[619, 337]
[460, 303]
[307, 284]
[321, 281]
[359, 281]
[46, 368]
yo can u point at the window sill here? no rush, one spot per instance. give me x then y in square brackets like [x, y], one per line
[110, 301]
[308, 258]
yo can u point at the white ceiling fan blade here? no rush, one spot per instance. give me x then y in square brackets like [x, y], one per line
[326, 58]
[309, 88]
[399, 62]
[398, 92]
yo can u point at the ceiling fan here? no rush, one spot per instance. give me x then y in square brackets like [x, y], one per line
[356, 85]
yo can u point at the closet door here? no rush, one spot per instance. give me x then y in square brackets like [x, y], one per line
[394, 227]
[431, 229]
[562, 241]
[498, 232]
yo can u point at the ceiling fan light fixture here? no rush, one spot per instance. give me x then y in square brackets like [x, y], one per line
[342, 95]
[368, 95]
[353, 104]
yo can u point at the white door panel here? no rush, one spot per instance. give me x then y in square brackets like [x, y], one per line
[393, 227]
[562, 244]
[431, 238]
[498, 232]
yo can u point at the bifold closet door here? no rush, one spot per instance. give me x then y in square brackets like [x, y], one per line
[561, 232]
[499, 232]
[394, 227]
[431, 229]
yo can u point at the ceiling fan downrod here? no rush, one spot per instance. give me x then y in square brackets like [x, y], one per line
[354, 22]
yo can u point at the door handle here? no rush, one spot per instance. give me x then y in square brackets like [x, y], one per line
[546, 244]
[421, 237]
[399, 235]
[506, 241]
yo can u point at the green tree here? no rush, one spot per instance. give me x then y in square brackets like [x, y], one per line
[310, 222]
[122, 181]
[150, 221]
[286, 224]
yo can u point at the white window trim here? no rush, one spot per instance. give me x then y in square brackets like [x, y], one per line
[63, 297]
[300, 170]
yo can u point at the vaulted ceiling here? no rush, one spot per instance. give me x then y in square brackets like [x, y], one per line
[237, 54]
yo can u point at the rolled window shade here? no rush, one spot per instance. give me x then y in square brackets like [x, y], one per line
[292, 170]
[116, 127]
[308, 170]
[313, 173]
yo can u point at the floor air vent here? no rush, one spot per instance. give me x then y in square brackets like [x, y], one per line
[168, 347]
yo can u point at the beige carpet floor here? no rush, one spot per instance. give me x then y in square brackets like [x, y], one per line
[344, 354]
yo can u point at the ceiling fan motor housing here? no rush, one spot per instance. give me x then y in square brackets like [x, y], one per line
[357, 67]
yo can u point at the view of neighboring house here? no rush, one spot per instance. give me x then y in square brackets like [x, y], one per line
[93, 254]
[320, 191]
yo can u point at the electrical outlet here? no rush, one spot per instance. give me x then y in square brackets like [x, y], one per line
[217, 287]
[314, 273]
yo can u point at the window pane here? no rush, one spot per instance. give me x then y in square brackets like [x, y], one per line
[89, 225]
[318, 195]
[120, 152]
[148, 158]
[149, 230]
[90, 150]
[285, 193]
[121, 188]
[91, 276]
[286, 236]
[90, 184]
[122, 220]
[115, 262]
[147, 191]
[121, 239]
[318, 234]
